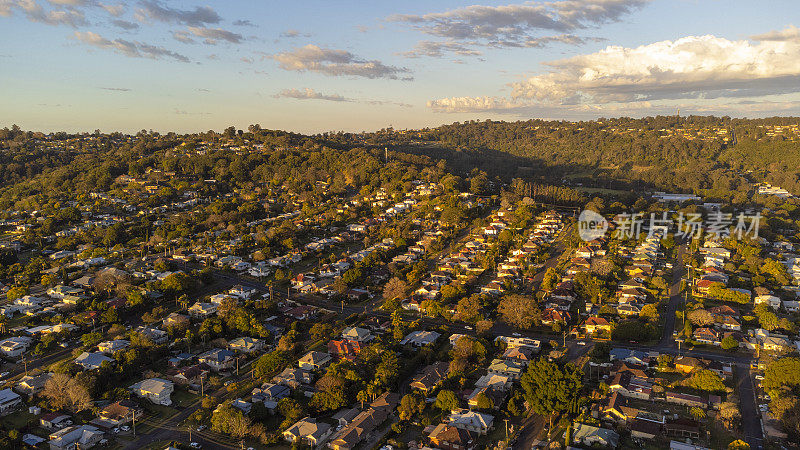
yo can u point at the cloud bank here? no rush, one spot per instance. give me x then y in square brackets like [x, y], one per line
[690, 68]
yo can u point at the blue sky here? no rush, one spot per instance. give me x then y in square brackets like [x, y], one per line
[314, 66]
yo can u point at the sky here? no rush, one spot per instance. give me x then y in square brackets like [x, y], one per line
[317, 66]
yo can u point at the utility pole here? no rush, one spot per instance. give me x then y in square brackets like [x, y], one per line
[134, 422]
[506, 421]
[190, 433]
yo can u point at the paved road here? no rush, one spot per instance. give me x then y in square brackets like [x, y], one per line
[751, 416]
[675, 299]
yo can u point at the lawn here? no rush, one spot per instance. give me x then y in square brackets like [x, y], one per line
[17, 420]
[183, 398]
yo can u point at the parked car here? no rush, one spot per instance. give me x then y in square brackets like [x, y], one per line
[195, 445]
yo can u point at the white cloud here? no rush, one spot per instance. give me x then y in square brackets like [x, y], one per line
[133, 49]
[693, 67]
[471, 104]
[213, 35]
[155, 10]
[790, 33]
[519, 25]
[437, 49]
[115, 10]
[309, 94]
[336, 63]
[34, 12]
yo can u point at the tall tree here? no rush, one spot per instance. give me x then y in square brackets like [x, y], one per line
[551, 388]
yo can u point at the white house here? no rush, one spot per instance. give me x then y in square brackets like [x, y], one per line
[91, 361]
[109, 347]
[15, 346]
[156, 390]
[71, 438]
[357, 334]
[8, 401]
[202, 310]
[472, 421]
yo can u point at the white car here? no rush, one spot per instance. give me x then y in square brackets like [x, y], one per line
[759, 377]
[195, 445]
[116, 430]
[581, 342]
[4, 374]
[201, 428]
[516, 334]
[125, 428]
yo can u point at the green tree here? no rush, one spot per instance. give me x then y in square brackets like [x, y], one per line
[411, 405]
[706, 380]
[483, 402]
[729, 343]
[551, 388]
[521, 311]
[446, 400]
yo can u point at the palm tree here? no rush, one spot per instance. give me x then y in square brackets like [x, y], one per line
[362, 396]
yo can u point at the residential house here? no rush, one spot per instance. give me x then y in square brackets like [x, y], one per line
[158, 337]
[420, 338]
[590, 436]
[687, 364]
[706, 335]
[91, 361]
[201, 310]
[54, 420]
[363, 424]
[110, 347]
[8, 401]
[293, 378]
[314, 360]
[118, 414]
[508, 367]
[596, 324]
[495, 381]
[176, 320]
[218, 359]
[156, 390]
[344, 349]
[32, 384]
[431, 376]
[448, 437]
[71, 438]
[246, 344]
[473, 421]
[685, 399]
[522, 355]
[357, 334]
[14, 347]
[631, 386]
[308, 431]
[270, 394]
